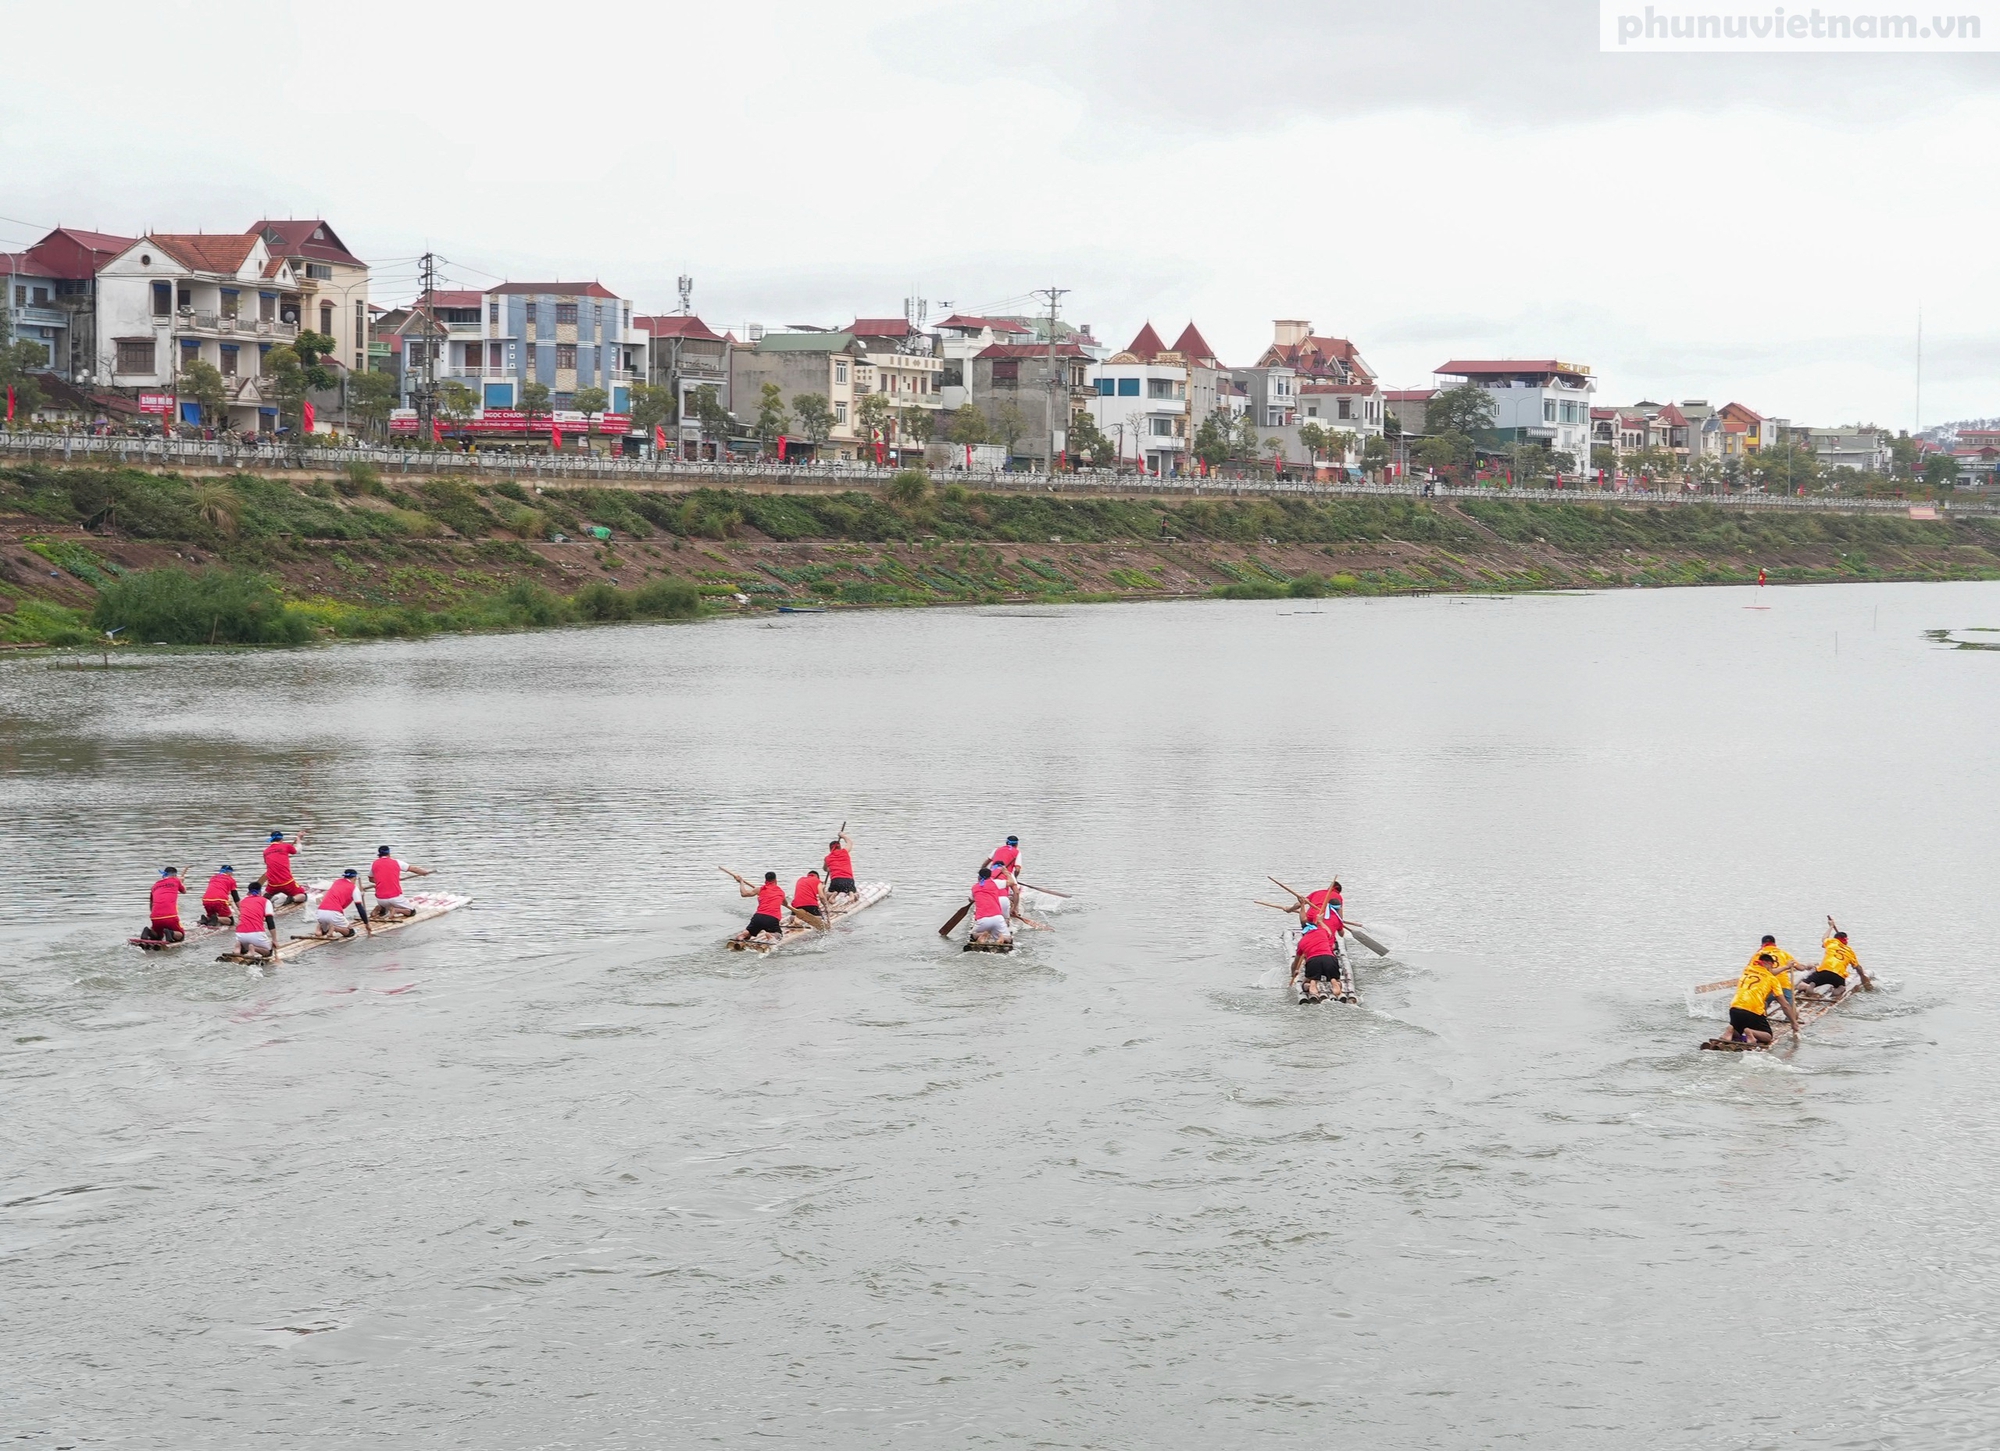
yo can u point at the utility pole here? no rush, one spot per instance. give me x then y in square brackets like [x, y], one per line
[1058, 385]
[424, 394]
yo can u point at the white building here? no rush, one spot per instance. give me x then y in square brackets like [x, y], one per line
[960, 340]
[1534, 400]
[1142, 404]
[172, 298]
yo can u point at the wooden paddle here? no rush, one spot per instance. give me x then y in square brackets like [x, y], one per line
[1275, 906]
[1027, 921]
[810, 918]
[1043, 890]
[956, 918]
[1364, 939]
[361, 901]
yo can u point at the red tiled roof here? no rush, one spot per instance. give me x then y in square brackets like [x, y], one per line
[1147, 345]
[555, 289]
[1738, 410]
[295, 238]
[206, 251]
[1029, 350]
[1412, 395]
[1672, 415]
[1193, 346]
[1604, 413]
[674, 325]
[71, 254]
[1348, 388]
[881, 327]
[452, 299]
[974, 324]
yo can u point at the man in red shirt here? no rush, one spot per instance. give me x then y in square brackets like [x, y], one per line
[839, 866]
[768, 918]
[219, 897]
[253, 934]
[166, 907]
[332, 909]
[385, 873]
[989, 910]
[1316, 961]
[806, 902]
[278, 878]
[1008, 856]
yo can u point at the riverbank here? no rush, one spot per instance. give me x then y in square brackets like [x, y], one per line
[364, 555]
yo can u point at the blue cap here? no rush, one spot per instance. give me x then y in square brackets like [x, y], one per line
[257, 889]
[227, 867]
[350, 872]
[381, 851]
[1013, 841]
[168, 871]
[277, 836]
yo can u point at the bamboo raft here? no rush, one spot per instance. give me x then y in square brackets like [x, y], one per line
[867, 894]
[1810, 1011]
[429, 905]
[199, 933]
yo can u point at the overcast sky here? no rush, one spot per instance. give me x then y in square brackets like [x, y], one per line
[1431, 178]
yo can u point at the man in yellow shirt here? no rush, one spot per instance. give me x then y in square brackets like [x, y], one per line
[1786, 962]
[1762, 980]
[1833, 966]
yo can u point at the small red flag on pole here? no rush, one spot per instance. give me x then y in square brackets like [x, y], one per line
[10, 402]
[659, 437]
[555, 436]
[437, 431]
[783, 442]
[306, 417]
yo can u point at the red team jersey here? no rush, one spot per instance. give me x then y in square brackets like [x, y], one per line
[339, 897]
[839, 863]
[218, 889]
[806, 893]
[987, 899]
[770, 899]
[387, 875]
[1316, 942]
[278, 862]
[167, 898]
[252, 916]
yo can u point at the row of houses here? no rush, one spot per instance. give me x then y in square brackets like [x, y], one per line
[121, 320]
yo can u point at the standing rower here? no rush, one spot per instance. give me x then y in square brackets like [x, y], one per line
[770, 905]
[1763, 979]
[166, 907]
[278, 879]
[386, 875]
[839, 866]
[331, 913]
[219, 897]
[989, 910]
[1837, 958]
[253, 925]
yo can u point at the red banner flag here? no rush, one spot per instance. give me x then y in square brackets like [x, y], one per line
[437, 431]
[782, 442]
[555, 437]
[306, 417]
[878, 450]
[968, 455]
[10, 402]
[659, 437]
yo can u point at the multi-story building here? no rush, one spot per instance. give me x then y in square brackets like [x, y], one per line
[1535, 400]
[170, 299]
[332, 285]
[1866, 449]
[960, 340]
[826, 363]
[685, 355]
[567, 336]
[51, 297]
[1752, 431]
[1018, 376]
[1406, 406]
[1142, 404]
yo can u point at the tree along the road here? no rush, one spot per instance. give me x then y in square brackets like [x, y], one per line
[590, 402]
[968, 425]
[773, 421]
[371, 398]
[1466, 409]
[202, 385]
[815, 416]
[20, 359]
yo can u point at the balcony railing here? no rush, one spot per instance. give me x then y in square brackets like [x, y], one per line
[189, 321]
[40, 317]
[466, 329]
[490, 370]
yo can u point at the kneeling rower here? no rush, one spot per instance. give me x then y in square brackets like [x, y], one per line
[1316, 965]
[219, 898]
[1837, 957]
[253, 935]
[385, 873]
[165, 908]
[768, 919]
[989, 910]
[839, 866]
[1763, 979]
[331, 913]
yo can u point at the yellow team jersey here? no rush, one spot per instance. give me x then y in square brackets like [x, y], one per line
[1786, 962]
[1757, 987]
[1839, 957]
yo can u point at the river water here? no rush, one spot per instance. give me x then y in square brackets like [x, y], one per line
[557, 1171]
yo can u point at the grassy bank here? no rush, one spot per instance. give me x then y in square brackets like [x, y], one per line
[258, 559]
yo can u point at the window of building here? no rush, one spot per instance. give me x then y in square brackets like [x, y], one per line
[1159, 387]
[1163, 428]
[1128, 387]
[1312, 410]
[263, 360]
[20, 295]
[135, 355]
[840, 412]
[1548, 410]
[528, 312]
[493, 310]
[565, 312]
[229, 297]
[267, 306]
[1274, 418]
[1344, 409]
[41, 297]
[840, 372]
[185, 298]
[475, 357]
[1107, 387]
[319, 270]
[163, 299]
[326, 318]
[1006, 370]
[190, 352]
[564, 401]
[229, 360]
[565, 355]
